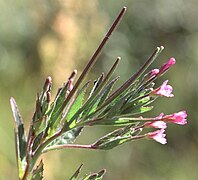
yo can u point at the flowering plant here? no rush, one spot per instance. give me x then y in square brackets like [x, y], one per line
[56, 125]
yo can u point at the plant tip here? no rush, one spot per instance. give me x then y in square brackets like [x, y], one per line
[162, 47]
[124, 7]
[48, 79]
[118, 58]
[75, 71]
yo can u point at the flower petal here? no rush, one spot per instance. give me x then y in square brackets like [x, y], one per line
[158, 136]
[163, 90]
[177, 118]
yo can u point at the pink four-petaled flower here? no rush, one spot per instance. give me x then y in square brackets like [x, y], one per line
[177, 118]
[163, 90]
[158, 136]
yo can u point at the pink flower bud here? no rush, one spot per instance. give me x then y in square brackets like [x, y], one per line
[163, 90]
[158, 136]
[167, 65]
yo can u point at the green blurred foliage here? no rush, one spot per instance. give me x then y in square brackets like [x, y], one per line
[40, 38]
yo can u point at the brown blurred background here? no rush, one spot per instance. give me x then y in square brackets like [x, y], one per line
[41, 38]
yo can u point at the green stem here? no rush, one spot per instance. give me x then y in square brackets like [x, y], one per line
[38, 152]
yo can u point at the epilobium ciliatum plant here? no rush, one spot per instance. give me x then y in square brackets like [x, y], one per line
[56, 125]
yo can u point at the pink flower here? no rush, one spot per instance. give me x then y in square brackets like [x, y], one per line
[163, 90]
[158, 136]
[177, 118]
[167, 65]
[156, 124]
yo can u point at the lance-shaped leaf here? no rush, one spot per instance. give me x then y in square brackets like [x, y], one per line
[66, 138]
[115, 121]
[54, 112]
[139, 110]
[94, 176]
[139, 106]
[114, 138]
[70, 119]
[91, 108]
[100, 98]
[77, 172]
[21, 142]
[38, 172]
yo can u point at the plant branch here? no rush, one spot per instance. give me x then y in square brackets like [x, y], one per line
[66, 146]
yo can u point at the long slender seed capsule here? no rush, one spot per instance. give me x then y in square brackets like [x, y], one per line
[94, 56]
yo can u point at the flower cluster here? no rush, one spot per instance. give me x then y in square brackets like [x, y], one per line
[160, 122]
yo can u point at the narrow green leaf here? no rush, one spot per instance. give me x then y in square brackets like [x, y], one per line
[114, 142]
[77, 103]
[139, 107]
[38, 172]
[54, 112]
[115, 121]
[107, 90]
[116, 108]
[100, 98]
[140, 110]
[113, 108]
[67, 138]
[115, 138]
[37, 141]
[108, 136]
[21, 141]
[75, 175]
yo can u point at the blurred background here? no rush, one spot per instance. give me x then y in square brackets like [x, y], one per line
[41, 38]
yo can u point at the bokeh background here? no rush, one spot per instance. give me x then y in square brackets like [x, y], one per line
[41, 38]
